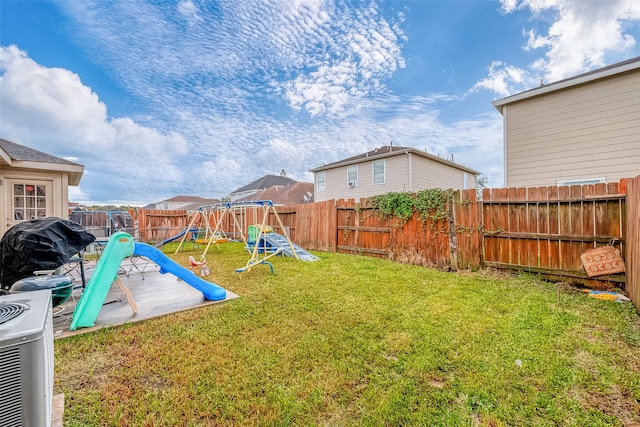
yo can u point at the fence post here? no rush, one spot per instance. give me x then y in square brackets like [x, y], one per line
[451, 219]
[632, 237]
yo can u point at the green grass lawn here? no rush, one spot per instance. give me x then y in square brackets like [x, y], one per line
[353, 340]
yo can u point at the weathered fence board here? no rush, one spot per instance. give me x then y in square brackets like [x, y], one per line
[155, 225]
[467, 213]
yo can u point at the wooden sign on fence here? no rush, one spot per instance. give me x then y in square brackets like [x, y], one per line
[602, 261]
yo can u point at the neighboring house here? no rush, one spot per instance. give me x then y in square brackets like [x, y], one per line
[388, 169]
[296, 194]
[33, 184]
[581, 130]
[190, 203]
[261, 184]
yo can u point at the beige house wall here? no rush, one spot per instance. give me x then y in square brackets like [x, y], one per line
[57, 193]
[581, 132]
[429, 174]
[403, 172]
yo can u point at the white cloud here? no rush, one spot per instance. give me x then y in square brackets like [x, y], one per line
[504, 79]
[366, 52]
[581, 34]
[53, 98]
[209, 125]
[319, 56]
[52, 110]
[189, 10]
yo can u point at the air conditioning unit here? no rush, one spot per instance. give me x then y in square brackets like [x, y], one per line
[351, 184]
[26, 359]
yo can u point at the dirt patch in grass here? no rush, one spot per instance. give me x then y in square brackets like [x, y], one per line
[615, 403]
[92, 371]
[413, 257]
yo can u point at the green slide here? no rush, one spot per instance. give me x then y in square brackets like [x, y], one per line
[119, 247]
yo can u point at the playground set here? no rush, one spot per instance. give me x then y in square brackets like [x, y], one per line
[231, 220]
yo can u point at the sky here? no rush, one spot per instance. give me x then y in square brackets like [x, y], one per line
[186, 97]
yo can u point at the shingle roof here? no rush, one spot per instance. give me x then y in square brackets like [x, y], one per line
[17, 155]
[387, 151]
[186, 199]
[197, 205]
[298, 193]
[631, 64]
[266, 182]
[22, 153]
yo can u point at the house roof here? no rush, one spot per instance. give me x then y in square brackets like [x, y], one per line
[192, 203]
[196, 205]
[185, 199]
[20, 156]
[265, 182]
[296, 194]
[389, 151]
[628, 65]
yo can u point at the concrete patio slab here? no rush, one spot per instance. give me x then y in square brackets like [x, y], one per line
[154, 294]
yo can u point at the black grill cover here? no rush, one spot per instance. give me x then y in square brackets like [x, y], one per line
[39, 244]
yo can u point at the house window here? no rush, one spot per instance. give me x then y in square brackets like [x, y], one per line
[378, 172]
[320, 185]
[582, 181]
[352, 176]
[29, 201]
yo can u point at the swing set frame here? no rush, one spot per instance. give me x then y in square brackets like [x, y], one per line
[238, 213]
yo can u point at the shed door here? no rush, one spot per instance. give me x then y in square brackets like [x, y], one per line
[28, 199]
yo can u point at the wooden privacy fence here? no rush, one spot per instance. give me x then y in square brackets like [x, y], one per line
[546, 229]
[542, 230]
[157, 225]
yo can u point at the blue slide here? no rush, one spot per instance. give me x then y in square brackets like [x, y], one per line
[176, 237]
[120, 246]
[211, 291]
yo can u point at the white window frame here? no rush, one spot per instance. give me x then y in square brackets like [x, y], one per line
[321, 181]
[352, 175]
[41, 206]
[384, 172]
[582, 181]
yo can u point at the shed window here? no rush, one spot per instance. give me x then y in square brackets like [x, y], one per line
[379, 172]
[320, 183]
[29, 201]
